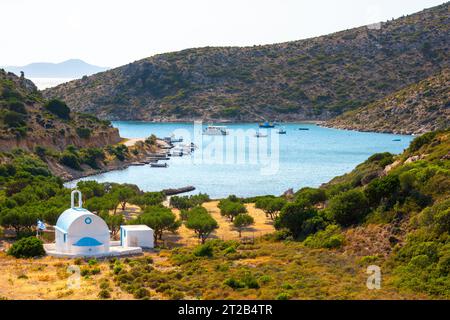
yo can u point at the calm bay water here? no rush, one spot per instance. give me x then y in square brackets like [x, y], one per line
[298, 159]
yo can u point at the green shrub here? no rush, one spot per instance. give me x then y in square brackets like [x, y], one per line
[90, 156]
[287, 286]
[330, 238]
[84, 133]
[204, 250]
[250, 281]
[175, 294]
[299, 219]
[199, 220]
[92, 262]
[422, 140]
[348, 208]
[119, 151]
[283, 296]
[229, 250]
[271, 206]
[104, 294]
[160, 219]
[141, 293]
[231, 209]
[437, 217]
[265, 279]
[151, 140]
[117, 269]
[241, 221]
[58, 108]
[233, 283]
[382, 159]
[27, 248]
[70, 160]
[148, 199]
[95, 271]
[311, 196]
[422, 264]
[105, 285]
[13, 119]
[385, 188]
[17, 106]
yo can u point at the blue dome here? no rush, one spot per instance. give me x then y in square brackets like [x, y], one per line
[87, 242]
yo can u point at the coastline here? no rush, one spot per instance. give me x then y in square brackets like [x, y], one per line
[219, 121]
[375, 128]
[119, 166]
[68, 174]
[359, 129]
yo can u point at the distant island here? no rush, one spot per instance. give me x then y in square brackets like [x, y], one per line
[72, 69]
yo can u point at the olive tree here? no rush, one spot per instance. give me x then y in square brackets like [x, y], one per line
[199, 220]
[243, 221]
[160, 219]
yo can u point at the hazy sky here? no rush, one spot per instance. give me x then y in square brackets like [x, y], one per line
[115, 32]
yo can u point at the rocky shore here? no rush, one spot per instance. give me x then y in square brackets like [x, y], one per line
[144, 154]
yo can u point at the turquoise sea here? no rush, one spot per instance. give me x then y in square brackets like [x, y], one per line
[247, 166]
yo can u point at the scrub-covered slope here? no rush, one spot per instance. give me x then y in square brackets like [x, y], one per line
[419, 108]
[28, 120]
[316, 78]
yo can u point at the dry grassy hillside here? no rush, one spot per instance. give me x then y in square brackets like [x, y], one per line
[419, 108]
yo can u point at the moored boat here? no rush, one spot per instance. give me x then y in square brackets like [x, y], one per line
[173, 139]
[260, 135]
[267, 125]
[215, 131]
[159, 165]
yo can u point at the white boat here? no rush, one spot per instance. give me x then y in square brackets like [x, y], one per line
[173, 139]
[260, 135]
[215, 131]
[159, 165]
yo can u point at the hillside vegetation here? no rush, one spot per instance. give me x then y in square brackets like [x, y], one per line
[314, 79]
[71, 144]
[28, 120]
[419, 108]
[391, 212]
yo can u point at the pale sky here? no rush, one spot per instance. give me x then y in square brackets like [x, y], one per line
[115, 32]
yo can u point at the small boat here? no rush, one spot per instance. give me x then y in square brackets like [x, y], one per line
[173, 139]
[303, 129]
[260, 135]
[137, 163]
[267, 125]
[281, 131]
[176, 153]
[397, 140]
[215, 131]
[159, 165]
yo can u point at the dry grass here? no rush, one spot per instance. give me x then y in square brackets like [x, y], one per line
[47, 278]
[226, 231]
[312, 274]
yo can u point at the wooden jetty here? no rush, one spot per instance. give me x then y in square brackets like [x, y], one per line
[171, 192]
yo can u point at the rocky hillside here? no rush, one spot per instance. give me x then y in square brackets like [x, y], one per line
[419, 108]
[314, 79]
[28, 120]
